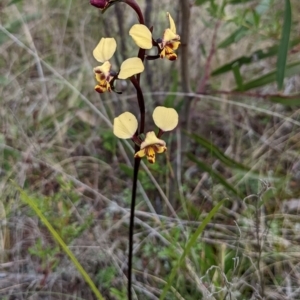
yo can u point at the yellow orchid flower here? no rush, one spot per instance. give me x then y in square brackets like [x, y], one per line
[167, 45]
[103, 53]
[170, 41]
[150, 146]
[126, 125]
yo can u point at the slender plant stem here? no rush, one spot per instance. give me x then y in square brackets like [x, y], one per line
[141, 102]
[135, 80]
[131, 224]
[206, 76]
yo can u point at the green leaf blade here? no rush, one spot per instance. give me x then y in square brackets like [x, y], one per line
[59, 240]
[191, 242]
[217, 153]
[284, 45]
[252, 58]
[214, 174]
[290, 70]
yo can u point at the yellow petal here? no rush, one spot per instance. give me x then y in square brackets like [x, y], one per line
[169, 35]
[141, 35]
[104, 69]
[140, 153]
[105, 49]
[165, 118]
[103, 87]
[175, 45]
[163, 53]
[99, 77]
[125, 125]
[168, 52]
[151, 139]
[150, 153]
[161, 149]
[172, 24]
[131, 66]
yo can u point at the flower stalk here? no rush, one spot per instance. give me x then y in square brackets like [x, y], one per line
[126, 125]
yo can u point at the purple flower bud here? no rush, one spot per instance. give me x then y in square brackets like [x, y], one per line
[99, 3]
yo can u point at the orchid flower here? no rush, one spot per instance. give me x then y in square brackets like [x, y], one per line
[103, 53]
[167, 44]
[125, 127]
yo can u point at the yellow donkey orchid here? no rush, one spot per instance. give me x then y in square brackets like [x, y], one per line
[103, 53]
[126, 125]
[169, 42]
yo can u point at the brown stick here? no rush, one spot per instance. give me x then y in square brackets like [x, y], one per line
[206, 76]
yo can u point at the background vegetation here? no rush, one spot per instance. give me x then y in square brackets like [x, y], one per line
[235, 86]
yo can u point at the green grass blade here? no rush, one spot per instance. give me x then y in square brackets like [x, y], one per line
[191, 242]
[291, 70]
[284, 45]
[216, 152]
[215, 174]
[234, 37]
[237, 76]
[253, 57]
[59, 240]
[293, 100]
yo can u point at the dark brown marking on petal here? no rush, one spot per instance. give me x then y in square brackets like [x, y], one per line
[99, 89]
[173, 57]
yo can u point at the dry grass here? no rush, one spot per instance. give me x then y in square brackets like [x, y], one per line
[56, 142]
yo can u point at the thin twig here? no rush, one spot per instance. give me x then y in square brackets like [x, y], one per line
[206, 76]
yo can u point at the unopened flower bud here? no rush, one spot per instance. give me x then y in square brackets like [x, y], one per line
[99, 3]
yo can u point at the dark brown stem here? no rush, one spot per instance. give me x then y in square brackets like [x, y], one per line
[135, 80]
[131, 223]
[141, 55]
[140, 98]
